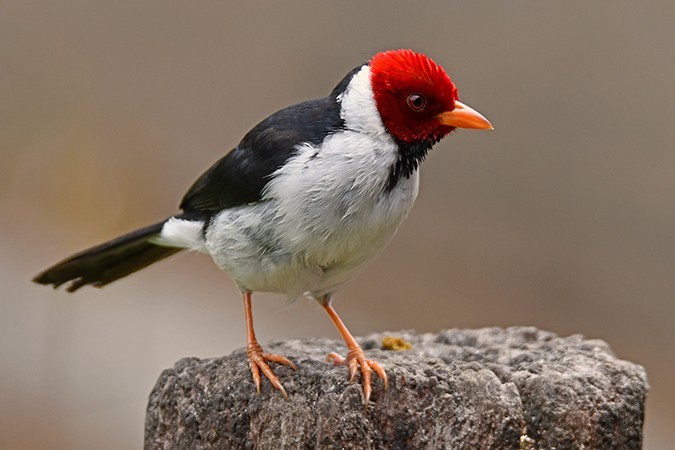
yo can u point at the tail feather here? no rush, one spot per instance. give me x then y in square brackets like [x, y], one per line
[109, 261]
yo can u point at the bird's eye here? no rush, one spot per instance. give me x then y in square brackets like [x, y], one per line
[416, 102]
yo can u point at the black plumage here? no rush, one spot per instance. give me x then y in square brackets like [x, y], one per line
[240, 176]
[109, 261]
[410, 156]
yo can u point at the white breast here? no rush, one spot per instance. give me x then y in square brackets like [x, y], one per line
[324, 215]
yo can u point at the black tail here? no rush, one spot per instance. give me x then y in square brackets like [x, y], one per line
[109, 261]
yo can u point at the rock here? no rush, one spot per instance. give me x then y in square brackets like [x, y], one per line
[517, 388]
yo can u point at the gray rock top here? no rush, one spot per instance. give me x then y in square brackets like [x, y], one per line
[490, 388]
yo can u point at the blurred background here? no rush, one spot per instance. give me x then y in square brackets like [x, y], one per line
[563, 217]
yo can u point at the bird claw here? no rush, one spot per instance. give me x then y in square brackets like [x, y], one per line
[355, 358]
[257, 361]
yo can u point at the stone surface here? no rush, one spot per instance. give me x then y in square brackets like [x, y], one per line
[490, 388]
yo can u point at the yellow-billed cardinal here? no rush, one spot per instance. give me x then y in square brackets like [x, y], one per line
[308, 197]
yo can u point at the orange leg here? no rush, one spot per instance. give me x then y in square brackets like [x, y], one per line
[256, 358]
[355, 356]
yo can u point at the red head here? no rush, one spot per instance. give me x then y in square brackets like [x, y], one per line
[416, 99]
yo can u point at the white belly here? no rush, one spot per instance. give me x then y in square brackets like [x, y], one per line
[314, 231]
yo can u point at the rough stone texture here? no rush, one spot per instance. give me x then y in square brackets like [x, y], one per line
[491, 388]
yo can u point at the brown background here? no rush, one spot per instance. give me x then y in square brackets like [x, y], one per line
[563, 217]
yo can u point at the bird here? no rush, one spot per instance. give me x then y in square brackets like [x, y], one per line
[309, 197]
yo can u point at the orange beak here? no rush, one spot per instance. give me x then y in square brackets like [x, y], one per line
[464, 117]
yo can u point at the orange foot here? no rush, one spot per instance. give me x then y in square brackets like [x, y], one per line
[257, 360]
[356, 358]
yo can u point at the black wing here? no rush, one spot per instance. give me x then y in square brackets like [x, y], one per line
[240, 176]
